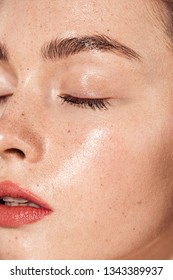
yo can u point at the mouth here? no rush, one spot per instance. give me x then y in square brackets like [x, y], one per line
[13, 202]
[19, 207]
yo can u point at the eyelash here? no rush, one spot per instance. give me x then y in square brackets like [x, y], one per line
[93, 104]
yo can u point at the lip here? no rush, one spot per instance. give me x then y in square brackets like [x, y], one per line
[15, 216]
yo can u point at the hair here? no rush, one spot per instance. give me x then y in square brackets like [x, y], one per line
[167, 16]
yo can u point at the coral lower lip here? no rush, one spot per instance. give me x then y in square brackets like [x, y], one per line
[15, 216]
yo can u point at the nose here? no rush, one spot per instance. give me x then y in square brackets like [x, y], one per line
[19, 138]
[7, 147]
[13, 146]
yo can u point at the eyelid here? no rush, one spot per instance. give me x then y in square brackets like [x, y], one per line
[92, 103]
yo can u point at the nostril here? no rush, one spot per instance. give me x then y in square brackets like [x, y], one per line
[15, 151]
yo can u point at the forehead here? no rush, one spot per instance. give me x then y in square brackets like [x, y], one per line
[58, 16]
[30, 23]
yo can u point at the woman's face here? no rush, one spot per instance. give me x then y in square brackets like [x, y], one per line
[106, 174]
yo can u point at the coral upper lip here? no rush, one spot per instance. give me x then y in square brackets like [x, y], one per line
[8, 188]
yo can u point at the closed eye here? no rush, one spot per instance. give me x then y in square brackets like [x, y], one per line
[100, 104]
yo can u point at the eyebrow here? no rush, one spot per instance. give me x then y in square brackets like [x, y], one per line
[63, 48]
[3, 53]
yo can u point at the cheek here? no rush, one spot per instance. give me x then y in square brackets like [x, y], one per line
[136, 173]
[129, 180]
[128, 169]
[112, 184]
[132, 189]
[83, 157]
[136, 166]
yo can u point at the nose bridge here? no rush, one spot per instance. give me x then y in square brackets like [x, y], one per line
[12, 109]
[27, 88]
[15, 115]
[19, 129]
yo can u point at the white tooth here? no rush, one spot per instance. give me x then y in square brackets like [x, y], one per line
[7, 203]
[11, 204]
[16, 200]
[33, 205]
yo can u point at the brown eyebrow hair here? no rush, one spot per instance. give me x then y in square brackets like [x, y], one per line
[3, 53]
[63, 48]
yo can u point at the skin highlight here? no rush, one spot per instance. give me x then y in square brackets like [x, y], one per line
[107, 174]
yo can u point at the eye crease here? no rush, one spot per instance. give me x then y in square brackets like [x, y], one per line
[93, 104]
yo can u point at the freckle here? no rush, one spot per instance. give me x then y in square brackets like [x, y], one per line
[110, 208]
[16, 238]
[139, 202]
[134, 229]
[68, 131]
[23, 114]
[95, 221]
[107, 240]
